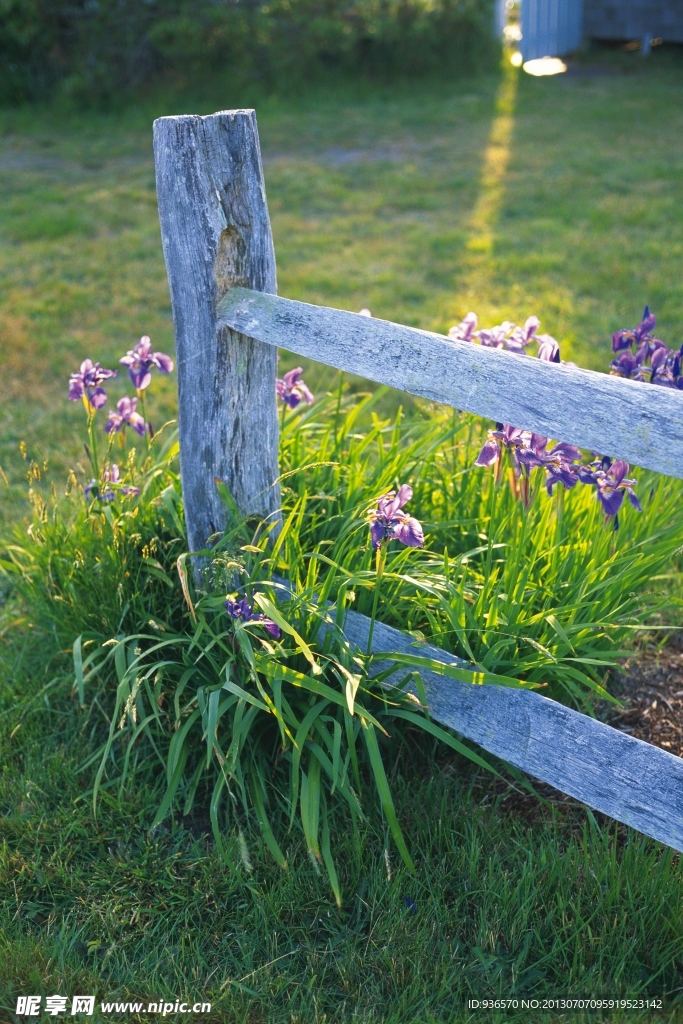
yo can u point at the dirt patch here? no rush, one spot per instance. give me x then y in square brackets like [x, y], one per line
[650, 686]
[336, 156]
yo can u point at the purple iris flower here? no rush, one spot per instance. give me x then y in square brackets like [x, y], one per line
[639, 336]
[548, 348]
[112, 485]
[530, 451]
[241, 609]
[292, 390]
[647, 347]
[495, 337]
[464, 331]
[646, 358]
[661, 365]
[611, 482]
[87, 383]
[628, 365]
[140, 361]
[558, 461]
[626, 337]
[666, 367]
[521, 336]
[89, 488]
[526, 449]
[524, 445]
[389, 522]
[561, 466]
[126, 416]
[509, 337]
[622, 339]
[646, 325]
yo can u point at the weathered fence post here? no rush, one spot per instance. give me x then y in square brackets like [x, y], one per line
[216, 234]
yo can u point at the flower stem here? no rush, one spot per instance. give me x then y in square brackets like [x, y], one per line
[559, 510]
[492, 508]
[337, 411]
[93, 445]
[559, 528]
[380, 559]
[141, 395]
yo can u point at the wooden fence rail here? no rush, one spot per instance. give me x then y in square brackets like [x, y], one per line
[628, 779]
[228, 323]
[622, 418]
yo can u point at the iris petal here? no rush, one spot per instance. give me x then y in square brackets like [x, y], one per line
[410, 533]
[376, 534]
[489, 453]
[611, 501]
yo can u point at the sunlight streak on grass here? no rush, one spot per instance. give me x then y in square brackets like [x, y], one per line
[475, 271]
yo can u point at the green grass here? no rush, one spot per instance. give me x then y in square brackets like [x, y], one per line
[563, 906]
[372, 199]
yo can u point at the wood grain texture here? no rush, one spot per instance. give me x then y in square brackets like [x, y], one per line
[641, 423]
[216, 233]
[629, 780]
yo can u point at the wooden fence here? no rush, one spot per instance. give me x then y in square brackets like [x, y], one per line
[229, 323]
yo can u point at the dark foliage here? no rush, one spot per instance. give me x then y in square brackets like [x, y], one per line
[99, 50]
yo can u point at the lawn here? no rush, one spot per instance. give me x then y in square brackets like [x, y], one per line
[555, 196]
[503, 194]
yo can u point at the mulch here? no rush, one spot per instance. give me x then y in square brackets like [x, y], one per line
[650, 685]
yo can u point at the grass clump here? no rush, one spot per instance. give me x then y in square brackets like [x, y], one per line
[545, 593]
[97, 569]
